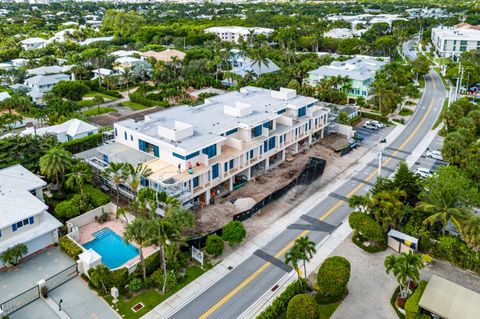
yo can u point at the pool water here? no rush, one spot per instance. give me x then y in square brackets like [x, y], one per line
[113, 249]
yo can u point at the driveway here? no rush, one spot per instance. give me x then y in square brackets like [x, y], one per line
[80, 302]
[35, 310]
[370, 288]
[26, 275]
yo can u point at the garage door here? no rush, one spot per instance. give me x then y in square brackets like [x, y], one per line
[39, 243]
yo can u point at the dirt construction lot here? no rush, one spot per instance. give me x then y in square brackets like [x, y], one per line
[215, 216]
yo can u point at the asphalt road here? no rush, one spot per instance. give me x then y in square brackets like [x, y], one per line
[247, 282]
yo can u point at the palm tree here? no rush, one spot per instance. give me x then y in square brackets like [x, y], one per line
[138, 232]
[388, 208]
[114, 171]
[470, 233]
[259, 58]
[292, 257]
[405, 268]
[55, 163]
[444, 209]
[97, 99]
[80, 173]
[14, 254]
[161, 233]
[307, 249]
[135, 174]
[168, 202]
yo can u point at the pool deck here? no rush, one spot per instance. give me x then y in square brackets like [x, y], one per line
[117, 226]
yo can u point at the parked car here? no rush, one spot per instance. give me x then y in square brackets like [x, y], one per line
[378, 124]
[370, 126]
[423, 172]
[358, 137]
[435, 155]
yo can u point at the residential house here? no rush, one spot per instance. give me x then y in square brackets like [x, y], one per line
[33, 43]
[343, 33]
[93, 40]
[199, 153]
[24, 218]
[451, 42]
[360, 70]
[4, 96]
[242, 65]
[127, 62]
[235, 33]
[41, 84]
[70, 130]
[124, 53]
[53, 69]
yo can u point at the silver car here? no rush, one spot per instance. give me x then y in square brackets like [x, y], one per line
[435, 155]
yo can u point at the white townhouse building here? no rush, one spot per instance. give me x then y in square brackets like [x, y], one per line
[360, 70]
[197, 153]
[450, 42]
[234, 33]
[23, 214]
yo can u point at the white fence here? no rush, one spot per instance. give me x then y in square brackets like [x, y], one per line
[90, 216]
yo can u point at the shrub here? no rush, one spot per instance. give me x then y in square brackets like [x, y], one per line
[359, 240]
[405, 111]
[333, 276]
[98, 111]
[374, 116]
[157, 279]
[152, 263]
[101, 278]
[95, 195]
[66, 210]
[280, 303]
[302, 307]
[214, 245]
[412, 309]
[120, 277]
[138, 97]
[366, 226]
[69, 247]
[135, 284]
[234, 232]
[83, 144]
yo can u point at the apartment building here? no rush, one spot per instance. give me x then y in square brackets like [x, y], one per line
[450, 42]
[360, 70]
[198, 153]
[235, 33]
[24, 218]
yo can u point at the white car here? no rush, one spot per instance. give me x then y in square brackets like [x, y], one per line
[370, 126]
[435, 155]
[377, 123]
[423, 172]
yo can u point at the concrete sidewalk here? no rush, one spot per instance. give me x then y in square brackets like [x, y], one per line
[202, 283]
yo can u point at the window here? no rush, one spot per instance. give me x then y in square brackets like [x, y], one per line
[310, 105]
[116, 133]
[125, 135]
[105, 158]
[225, 167]
[142, 146]
[231, 163]
[265, 146]
[195, 181]
[178, 156]
[22, 223]
[271, 143]
[251, 153]
[232, 131]
[131, 137]
[282, 111]
[257, 131]
[268, 125]
[210, 151]
[302, 111]
[156, 151]
[192, 155]
[143, 182]
[281, 139]
[215, 171]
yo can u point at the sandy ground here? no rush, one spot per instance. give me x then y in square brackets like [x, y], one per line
[215, 216]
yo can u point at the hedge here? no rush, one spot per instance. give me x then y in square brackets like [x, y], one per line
[365, 225]
[138, 97]
[96, 196]
[280, 303]
[333, 277]
[83, 144]
[69, 247]
[393, 301]
[375, 116]
[412, 309]
[302, 306]
[375, 248]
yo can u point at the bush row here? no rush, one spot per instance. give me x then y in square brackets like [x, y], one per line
[375, 116]
[412, 309]
[138, 97]
[83, 144]
[93, 85]
[280, 303]
[92, 197]
[69, 247]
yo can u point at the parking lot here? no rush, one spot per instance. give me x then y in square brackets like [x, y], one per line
[430, 163]
[371, 137]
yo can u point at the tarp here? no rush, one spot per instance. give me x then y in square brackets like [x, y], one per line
[449, 300]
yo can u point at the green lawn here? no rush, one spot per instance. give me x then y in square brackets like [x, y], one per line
[405, 112]
[105, 96]
[327, 310]
[98, 111]
[133, 105]
[152, 297]
[86, 103]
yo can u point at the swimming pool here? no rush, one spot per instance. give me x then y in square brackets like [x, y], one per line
[113, 249]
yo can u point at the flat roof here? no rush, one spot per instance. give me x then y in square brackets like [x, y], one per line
[209, 120]
[449, 300]
[457, 33]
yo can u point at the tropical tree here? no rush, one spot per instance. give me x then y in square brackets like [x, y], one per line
[168, 203]
[135, 174]
[138, 232]
[405, 268]
[307, 249]
[14, 254]
[162, 233]
[293, 257]
[55, 163]
[79, 174]
[259, 58]
[388, 208]
[114, 172]
[470, 233]
[145, 203]
[182, 218]
[97, 99]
